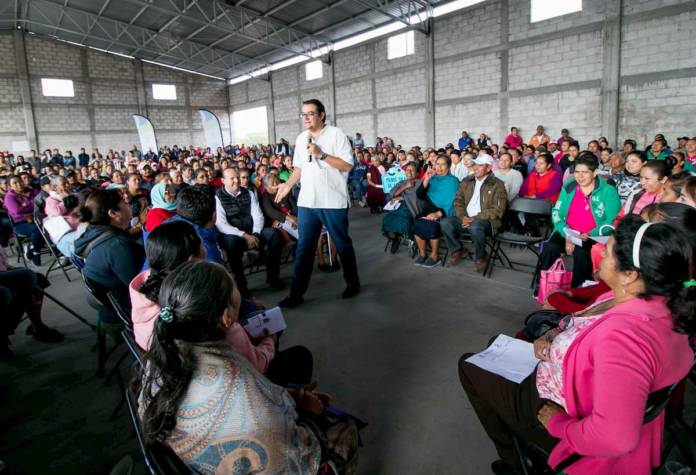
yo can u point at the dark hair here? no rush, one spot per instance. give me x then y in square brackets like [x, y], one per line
[71, 202]
[98, 204]
[574, 144]
[680, 214]
[665, 264]
[319, 105]
[195, 204]
[168, 246]
[588, 159]
[659, 167]
[197, 293]
[548, 158]
[446, 159]
[640, 154]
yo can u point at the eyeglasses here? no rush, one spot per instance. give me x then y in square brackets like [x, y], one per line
[307, 114]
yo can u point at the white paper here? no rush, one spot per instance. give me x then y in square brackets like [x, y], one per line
[589, 283]
[508, 357]
[573, 235]
[287, 227]
[392, 205]
[271, 320]
[600, 239]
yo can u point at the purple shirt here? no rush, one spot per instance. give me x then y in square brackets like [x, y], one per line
[18, 206]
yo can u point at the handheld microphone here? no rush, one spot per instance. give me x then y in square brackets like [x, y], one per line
[309, 141]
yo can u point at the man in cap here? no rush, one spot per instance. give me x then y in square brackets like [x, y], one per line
[479, 207]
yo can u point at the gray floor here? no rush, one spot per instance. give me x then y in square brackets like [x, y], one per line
[389, 356]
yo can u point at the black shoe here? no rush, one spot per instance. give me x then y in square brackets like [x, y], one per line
[501, 468]
[47, 335]
[334, 267]
[324, 267]
[277, 284]
[36, 259]
[291, 302]
[395, 245]
[351, 291]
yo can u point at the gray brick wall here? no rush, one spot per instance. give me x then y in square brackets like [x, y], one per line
[352, 62]
[9, 91]
[637, 6]
[108, 66]
[467, 77]
[572, 58]
[258, 89]
[577, 110]
[405, 127]
[474, 28]
[7, 55]
[51, 58]
[115, 93]
[57, 118]
[359, 123]
[284, 80]
[208, 94]
[354, 97]
[401, 88]
[520, 26]
[659, 44]
[11, 120]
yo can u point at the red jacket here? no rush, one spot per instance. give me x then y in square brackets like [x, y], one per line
[157, 216]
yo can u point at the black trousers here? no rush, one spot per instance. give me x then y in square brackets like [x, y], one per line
[582, 259]
[504, 407]
[236, 246]
[293, 365]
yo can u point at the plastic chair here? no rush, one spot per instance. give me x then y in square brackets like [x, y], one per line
[529, 206]
[655, 405]
[20, 241]
[159, 459]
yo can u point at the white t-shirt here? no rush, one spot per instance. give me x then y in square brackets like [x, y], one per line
[513, 182]
[473, 209]
[323, 186]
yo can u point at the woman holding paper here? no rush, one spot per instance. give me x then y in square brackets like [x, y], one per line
[375, 194]
[583, 214]
[169, 246]
[589, 393]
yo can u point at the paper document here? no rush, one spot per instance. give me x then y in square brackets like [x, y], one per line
[271, 320]
[573, 235]
[600, 239]
[508, 357]
[392, 205]
[57, 227]
[287, 227]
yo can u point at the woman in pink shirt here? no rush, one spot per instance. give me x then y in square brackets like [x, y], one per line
[514, 139]
[588, 395]
[167, 247]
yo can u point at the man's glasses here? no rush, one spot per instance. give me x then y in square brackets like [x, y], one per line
[307, 114]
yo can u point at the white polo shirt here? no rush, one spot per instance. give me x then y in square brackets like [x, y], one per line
[323, 186]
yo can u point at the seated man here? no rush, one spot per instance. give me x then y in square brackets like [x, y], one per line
[241, 222]
[281, 215]
[479, 207]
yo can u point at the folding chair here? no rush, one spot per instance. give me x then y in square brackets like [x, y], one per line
[529, 206]
[51, 249]
[159, 459]
[654, 407]
[20, 240]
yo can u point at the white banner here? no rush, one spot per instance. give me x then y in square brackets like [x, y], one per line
[211, 128]
[146, 132]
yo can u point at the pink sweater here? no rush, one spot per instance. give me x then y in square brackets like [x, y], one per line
[608, 373]
[144, 314]
[55, 207]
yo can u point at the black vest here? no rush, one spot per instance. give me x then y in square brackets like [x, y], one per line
[237, 210]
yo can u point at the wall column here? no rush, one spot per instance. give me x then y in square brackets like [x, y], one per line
[429, 114]
[25, 90]
[611, 74]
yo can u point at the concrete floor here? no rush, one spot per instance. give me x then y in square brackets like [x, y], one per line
[388, 356]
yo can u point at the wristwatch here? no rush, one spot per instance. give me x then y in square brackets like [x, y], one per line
[323, 156]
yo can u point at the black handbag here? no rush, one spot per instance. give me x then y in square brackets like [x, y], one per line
[538, 323]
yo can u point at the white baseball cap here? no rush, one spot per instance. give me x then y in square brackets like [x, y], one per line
[484, 159]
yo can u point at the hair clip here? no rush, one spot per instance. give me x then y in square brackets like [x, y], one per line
[689, 283]
[166, 314]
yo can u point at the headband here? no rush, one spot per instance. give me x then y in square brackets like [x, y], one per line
[636, 244]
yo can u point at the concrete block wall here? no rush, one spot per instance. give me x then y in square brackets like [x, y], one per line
[493, 69]
[108, 91]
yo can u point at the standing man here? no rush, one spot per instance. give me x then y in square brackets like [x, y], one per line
[322, 160]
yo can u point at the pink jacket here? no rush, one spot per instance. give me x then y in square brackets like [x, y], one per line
[55, 207]
[144, 314]
[608, 372]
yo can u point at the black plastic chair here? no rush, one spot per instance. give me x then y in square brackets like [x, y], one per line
[655, 405]
[159, 459]
[529, 206]
[20, 241]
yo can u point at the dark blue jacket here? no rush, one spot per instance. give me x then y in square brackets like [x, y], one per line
[209, 236]
[112, 262]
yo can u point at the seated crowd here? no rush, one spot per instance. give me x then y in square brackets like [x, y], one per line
[168, 234]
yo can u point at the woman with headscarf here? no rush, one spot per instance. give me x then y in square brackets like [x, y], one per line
[163, 205]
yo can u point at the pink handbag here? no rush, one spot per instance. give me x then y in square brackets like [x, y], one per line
[554, 278]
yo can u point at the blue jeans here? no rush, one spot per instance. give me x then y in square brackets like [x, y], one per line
[359, 185]
[32, 232]
[5, 231]
[309, 225]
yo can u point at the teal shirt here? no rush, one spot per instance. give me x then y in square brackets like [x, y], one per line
[441, 190]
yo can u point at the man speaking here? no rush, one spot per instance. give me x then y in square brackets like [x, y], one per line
[321, 163]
